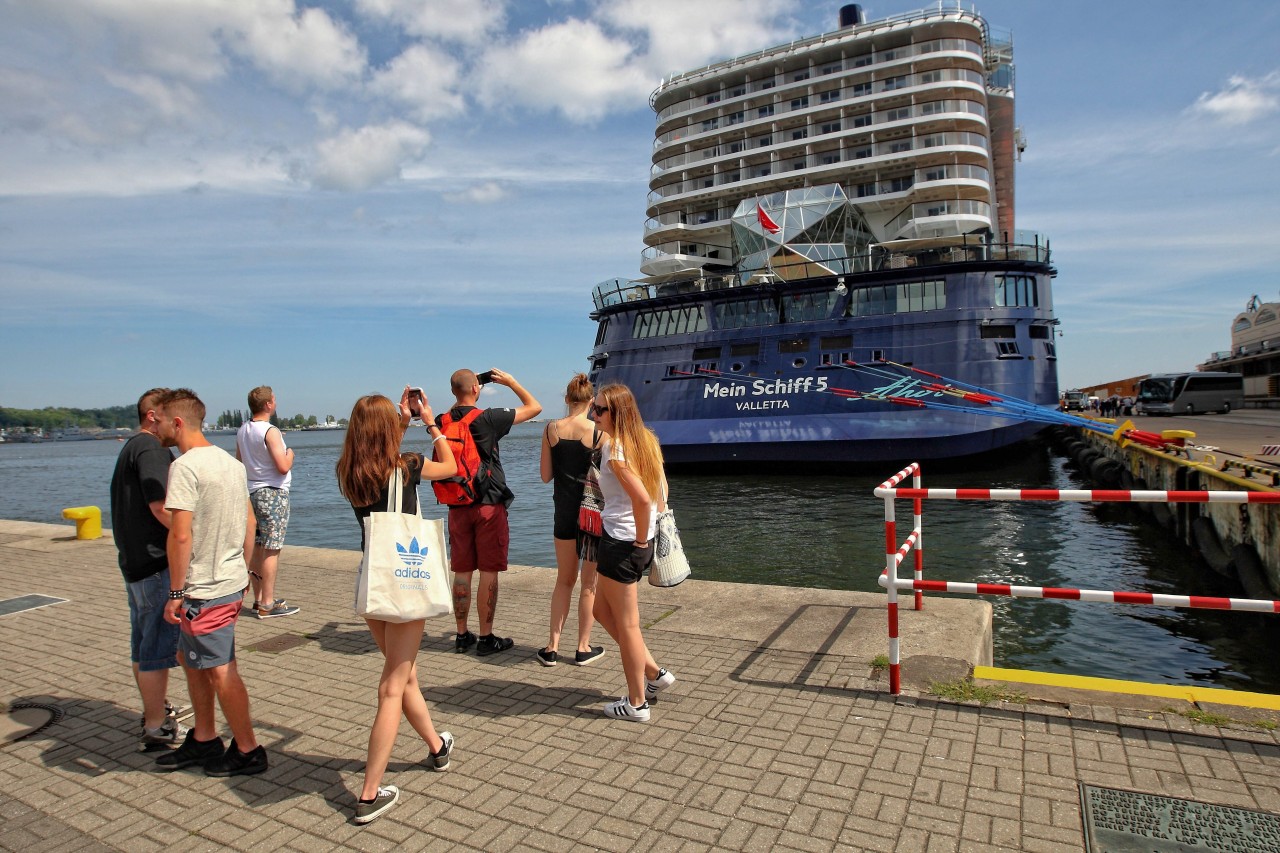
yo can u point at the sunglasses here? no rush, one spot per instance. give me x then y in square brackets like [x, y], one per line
[599, 410]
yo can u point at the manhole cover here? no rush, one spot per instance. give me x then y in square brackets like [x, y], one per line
[1117, 821]
[25, 719]
[279, 643]
[27, 602]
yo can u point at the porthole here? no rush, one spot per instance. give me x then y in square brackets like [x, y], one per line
[736, 367]
[799, 362]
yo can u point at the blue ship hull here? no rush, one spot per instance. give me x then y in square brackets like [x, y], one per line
[768, 392]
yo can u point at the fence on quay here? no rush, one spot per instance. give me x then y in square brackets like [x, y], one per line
[895, 553]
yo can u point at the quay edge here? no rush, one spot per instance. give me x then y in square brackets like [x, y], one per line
[1239, 541]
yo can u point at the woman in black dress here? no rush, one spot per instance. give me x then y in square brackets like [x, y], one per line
[567, 447]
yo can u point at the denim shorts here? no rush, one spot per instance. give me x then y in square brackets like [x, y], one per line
[271, 509]
[153, 641]
[620, 560]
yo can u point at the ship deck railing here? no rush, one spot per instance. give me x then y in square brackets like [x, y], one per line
[620, 291]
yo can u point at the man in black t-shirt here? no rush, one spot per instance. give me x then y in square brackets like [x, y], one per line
[478, 533]
[140, 527]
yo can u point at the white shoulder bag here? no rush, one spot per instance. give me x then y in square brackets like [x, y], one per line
[404, 575]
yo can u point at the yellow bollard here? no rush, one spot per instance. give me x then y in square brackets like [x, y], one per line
[88, 521]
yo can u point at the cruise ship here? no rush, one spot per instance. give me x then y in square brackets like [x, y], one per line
[818, 210]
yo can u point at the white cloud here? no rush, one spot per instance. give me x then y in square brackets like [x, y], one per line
[486, 193]
[572, 67]
[1242, 100]
[363, 158]
[168, 100]
[466, 21]
[423, 79]
[298, 48]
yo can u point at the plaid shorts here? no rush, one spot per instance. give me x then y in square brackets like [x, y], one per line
[271, 509]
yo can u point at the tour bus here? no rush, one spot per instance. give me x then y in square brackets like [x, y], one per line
[1191, 393]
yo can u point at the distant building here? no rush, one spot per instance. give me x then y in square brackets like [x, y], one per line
[1255, 352]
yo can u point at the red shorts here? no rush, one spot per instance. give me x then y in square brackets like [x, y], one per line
[478, 538]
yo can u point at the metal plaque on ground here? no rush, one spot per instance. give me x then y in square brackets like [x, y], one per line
[27, 602]
[1117, 821]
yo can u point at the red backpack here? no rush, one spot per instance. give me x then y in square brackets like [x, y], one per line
[462, 489]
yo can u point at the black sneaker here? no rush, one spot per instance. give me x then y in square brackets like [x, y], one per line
[440, 760]
[464, 641]
[191, 752]
[233, 762]
[591, 656]
[547, 658]
[371, 811]
[491, 645]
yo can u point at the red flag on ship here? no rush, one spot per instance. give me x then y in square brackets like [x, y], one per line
[766, 222]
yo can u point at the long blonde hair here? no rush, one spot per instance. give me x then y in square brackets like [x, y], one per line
[639, 444]
[370, 450]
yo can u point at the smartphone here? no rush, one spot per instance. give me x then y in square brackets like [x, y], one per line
[485, 378]
[415, 396]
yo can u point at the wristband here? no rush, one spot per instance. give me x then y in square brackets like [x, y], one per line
[177, 594]
[437, 438]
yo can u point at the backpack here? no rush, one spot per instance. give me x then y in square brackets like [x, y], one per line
[462, 489]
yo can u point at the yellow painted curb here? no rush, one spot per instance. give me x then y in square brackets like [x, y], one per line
[1183, 692]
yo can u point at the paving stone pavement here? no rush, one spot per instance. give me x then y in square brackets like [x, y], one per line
[756, 747]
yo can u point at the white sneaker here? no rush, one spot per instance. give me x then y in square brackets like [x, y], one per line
[653, 686]
[624, 710]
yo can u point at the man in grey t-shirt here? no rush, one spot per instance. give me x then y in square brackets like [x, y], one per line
[209, 503]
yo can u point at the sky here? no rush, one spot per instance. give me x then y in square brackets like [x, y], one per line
[344, 197]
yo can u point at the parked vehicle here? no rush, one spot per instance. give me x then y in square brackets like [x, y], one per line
[1074, 401]
[1191, 393]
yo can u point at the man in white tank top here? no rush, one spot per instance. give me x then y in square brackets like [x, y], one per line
[269, 465]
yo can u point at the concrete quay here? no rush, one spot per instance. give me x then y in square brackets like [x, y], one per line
[779, 734]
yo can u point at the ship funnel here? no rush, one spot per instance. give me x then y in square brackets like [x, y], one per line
[850, 16]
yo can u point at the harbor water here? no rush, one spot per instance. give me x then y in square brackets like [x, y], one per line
[824, 531]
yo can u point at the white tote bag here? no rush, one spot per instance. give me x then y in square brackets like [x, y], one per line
[670, 566]
[404, 574]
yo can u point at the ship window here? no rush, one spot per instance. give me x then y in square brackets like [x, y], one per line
[1039, 332]
[998, 331]
[899, 298]
[802, 307]
[736, 367]
[743, 313]
[669, 321]
[794, 345]
[751, 350]
[830, 358]
[877, 355]
[704, 353]
[600, 331]
[799, 362]
[1241, 324]
[1050, 351]
[835, 342]
[1007, 349]
[1016, 290]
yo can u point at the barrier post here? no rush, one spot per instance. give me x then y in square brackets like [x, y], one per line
[918, 507]
[891, 570]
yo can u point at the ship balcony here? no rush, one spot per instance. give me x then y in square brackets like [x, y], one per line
[946, 218]
[823, 166]
[924, 119]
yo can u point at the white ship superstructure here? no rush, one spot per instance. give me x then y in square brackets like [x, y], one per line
[912, 116]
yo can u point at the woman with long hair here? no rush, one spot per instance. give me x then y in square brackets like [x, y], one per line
[634, 485]
[370, 453]
[567, 447]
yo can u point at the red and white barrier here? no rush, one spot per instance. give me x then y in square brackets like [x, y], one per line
[895, 554]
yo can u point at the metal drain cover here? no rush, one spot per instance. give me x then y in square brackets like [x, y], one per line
[1117, 821]
[279, 643]
[27, 602]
